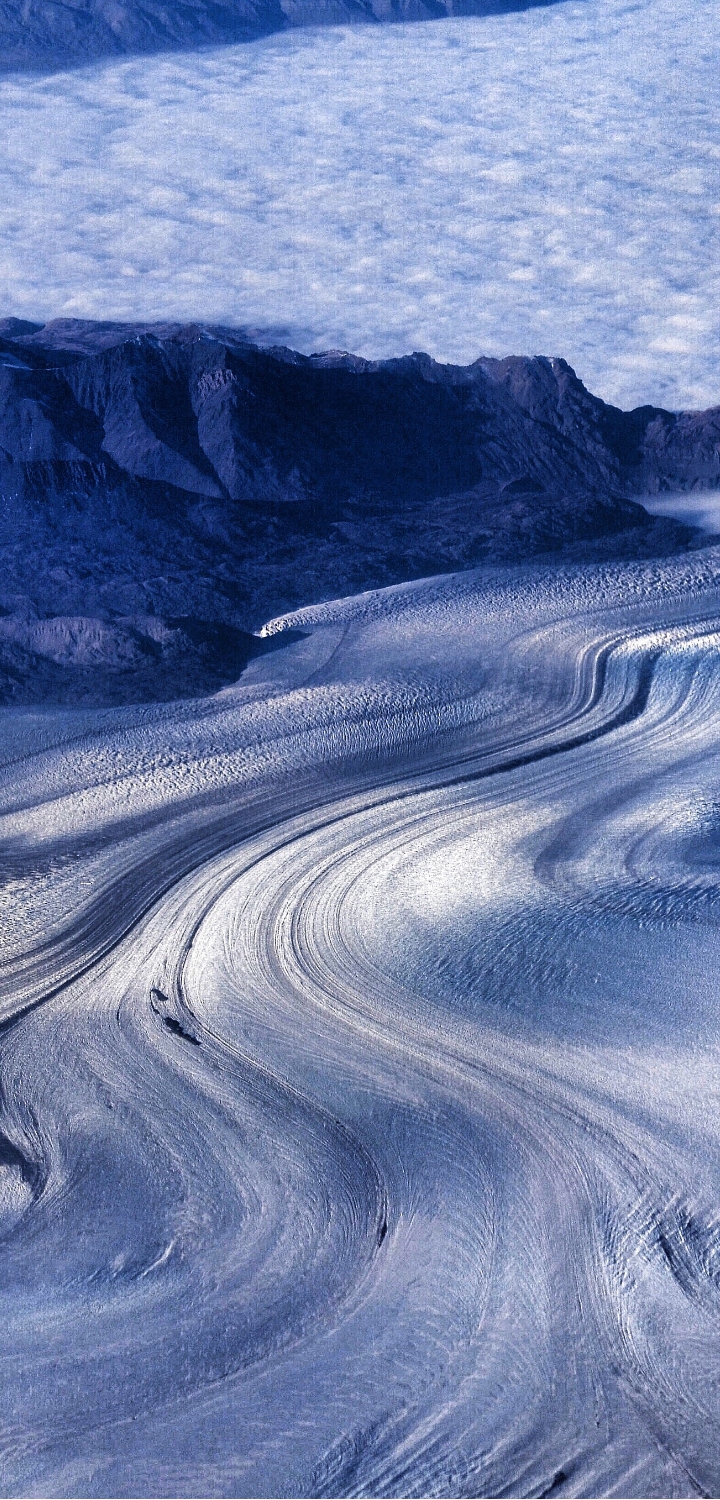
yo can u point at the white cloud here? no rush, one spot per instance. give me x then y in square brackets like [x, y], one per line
[541, 182]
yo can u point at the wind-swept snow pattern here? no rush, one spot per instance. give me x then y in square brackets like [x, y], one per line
[359, 1058]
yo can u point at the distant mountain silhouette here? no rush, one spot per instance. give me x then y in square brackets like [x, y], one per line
[46, 35]
[182, 485]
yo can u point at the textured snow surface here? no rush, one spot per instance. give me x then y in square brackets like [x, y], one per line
[360, 1113]
[543, 182]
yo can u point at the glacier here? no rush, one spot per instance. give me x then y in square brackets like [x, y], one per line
[360, 1056]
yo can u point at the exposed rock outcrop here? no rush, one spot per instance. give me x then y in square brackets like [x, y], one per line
[186, 473]
[133, 659]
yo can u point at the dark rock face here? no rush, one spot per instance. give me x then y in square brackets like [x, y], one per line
[42, 34]
[105, 663]
[47, 35]
[184, 474]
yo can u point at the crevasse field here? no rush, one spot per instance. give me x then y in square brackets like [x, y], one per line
[544, 182]
[360, 1025]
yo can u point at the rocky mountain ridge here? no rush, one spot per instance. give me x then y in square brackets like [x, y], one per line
[43, 35]
[184, 474]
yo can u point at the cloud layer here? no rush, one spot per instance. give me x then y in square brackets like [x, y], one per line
[547, 181]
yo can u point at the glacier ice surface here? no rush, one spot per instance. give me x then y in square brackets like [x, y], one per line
[360, 1057]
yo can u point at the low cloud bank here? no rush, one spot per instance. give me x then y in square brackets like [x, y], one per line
[545, 181]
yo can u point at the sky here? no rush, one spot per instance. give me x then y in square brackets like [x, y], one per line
[544, 182]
